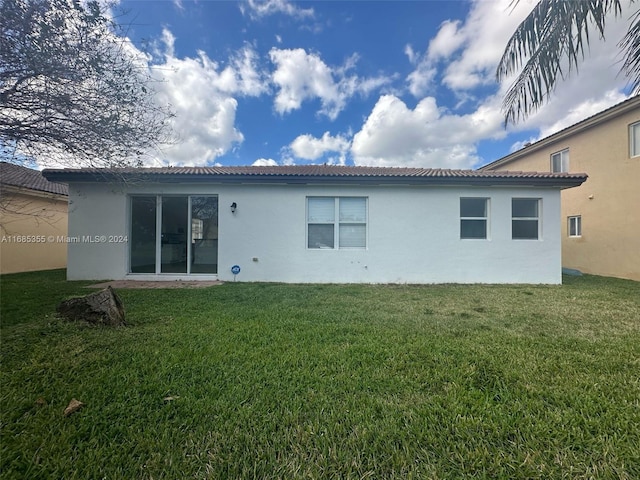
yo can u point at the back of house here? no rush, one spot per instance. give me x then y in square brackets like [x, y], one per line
[315, 224]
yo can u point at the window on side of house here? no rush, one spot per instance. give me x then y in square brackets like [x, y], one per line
[575, 226]
[474, 218]
[336, 222]
[634, 139]
[525, 218]
[560, 161]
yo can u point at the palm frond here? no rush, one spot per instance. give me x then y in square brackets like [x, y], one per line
[547, 46]
[631, 46]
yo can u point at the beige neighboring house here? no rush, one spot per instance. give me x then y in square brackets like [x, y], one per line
[33, 221]
[601, 218]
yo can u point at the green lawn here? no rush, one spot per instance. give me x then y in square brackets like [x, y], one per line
[324, 381]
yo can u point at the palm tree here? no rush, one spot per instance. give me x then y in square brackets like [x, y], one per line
[550, 42]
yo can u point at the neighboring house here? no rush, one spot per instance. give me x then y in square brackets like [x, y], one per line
[600, 222]
[33, 221]
[332, 224]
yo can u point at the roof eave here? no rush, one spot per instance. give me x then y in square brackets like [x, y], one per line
[597, 119]
[90, 177]
[19, 189]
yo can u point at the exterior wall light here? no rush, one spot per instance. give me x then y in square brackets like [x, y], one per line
[234, 205]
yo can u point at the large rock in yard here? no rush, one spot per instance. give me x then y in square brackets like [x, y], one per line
[99, 308]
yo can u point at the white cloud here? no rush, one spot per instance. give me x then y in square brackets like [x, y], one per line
[265, 162]
[463, 56]
[167, 50]
[203, 99]
[482, 39]
[242, 75]
[447, 40]
[257, 9]
[421, 79]
[301, 76]
[411, 54]
[308, 147]
[471, 49]
[427, 136]
[521, 144]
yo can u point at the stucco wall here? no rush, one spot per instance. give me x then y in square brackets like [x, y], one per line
[413, 235]
[609, 201]
[31, 228]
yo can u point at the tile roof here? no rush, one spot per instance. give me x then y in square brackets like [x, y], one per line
[318, 174]
[22, 177]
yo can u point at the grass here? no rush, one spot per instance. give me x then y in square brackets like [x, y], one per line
[324, 381]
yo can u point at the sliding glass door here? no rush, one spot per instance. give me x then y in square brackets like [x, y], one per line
[175, 234]
[204, 234]
[173, 249]
[143, 235]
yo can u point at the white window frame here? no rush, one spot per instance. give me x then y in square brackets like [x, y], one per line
[485, 218]
[563, 157]
[634, 147]
[537, 219]
[574, 226]
[337, 223]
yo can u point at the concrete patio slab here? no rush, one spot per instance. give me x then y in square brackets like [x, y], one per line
[116, 284]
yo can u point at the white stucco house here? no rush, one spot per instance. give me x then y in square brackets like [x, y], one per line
[303, 224]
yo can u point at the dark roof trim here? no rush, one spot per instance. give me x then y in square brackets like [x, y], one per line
[601, 117]
[309, 174]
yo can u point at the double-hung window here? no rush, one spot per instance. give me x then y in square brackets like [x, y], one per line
[525, 218]
[634, 140]
[474, 218]
[336, 222]
[575, 226]
[560, 161]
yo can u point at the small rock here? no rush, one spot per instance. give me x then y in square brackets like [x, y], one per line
[73, 407]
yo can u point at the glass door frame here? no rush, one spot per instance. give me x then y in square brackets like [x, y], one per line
[158, 239]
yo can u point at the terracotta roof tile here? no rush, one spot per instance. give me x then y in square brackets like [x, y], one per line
[305, 170]
[19, 176]
[319, 173]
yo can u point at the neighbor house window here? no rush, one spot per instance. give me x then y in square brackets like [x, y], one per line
[525, 218]
[474, 218]
[575, 226]
[560, 161]
[634, 139]
[336, 222]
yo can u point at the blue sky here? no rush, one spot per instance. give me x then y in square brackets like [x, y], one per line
[386, 83]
